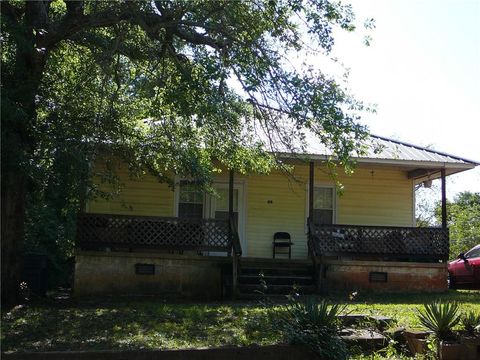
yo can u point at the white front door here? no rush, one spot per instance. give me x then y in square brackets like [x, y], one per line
[219, 209]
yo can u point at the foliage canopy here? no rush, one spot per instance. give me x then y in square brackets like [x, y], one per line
[463, 218]
[209, 80]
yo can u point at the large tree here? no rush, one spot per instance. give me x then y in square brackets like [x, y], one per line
[169, 86]
[463, 217]
[463, 220]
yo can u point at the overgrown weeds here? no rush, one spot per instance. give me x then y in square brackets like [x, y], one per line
[314, 324]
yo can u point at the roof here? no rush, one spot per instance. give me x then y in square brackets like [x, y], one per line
[385, 148]
[420, 162]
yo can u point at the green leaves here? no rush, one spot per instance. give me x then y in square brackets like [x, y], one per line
[440, 318]
[316, 314]
[218, 72]
[463, 221]
[471, 322]
[314, 324]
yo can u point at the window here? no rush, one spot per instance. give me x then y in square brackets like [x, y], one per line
[323, 205]
[190, 202]
[375, 276]
[473, 253]
[145, 269]
[221, 205]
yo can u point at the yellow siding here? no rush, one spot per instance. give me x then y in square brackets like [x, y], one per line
[376, 196]
[144, 196]
[275, 204]
[372, 196]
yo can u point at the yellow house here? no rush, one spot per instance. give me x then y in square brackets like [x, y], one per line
[155, 239]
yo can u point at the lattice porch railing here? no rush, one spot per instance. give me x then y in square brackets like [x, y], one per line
[396, 243]
[126, 231]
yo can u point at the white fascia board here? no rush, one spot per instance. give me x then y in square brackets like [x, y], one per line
[394, 162]
[416, 163]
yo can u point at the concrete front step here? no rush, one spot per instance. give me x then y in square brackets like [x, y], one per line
[281, 276]
[276, 271]
[275, 264]
[275, 289]
[278, 261]
[277, 298]
[366, 339]
[276, 279]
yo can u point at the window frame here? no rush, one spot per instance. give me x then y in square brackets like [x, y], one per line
[176, 202]
[334, 201]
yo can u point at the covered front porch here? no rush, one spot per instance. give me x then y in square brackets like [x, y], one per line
[203, 259]
[160, 253]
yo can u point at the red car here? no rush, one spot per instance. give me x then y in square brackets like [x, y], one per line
[465, 270]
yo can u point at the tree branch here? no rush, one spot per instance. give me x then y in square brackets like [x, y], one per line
[36, 14]
[76, 21]
[74, 8]
[11, 11]
[199, 39]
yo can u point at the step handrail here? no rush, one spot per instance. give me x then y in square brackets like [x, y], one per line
[312, 247]
[236, 253]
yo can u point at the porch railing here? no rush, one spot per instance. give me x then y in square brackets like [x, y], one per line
[387, 242]
[127, 231]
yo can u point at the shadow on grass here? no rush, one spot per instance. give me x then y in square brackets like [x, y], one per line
[146, 323]
[133, 324]
[461, 296]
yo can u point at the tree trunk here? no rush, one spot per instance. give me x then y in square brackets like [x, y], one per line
[18, 144]
[17, 150]
[13, 219]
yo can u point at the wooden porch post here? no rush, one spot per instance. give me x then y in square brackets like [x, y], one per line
[310, 190]
[444, 200]
[230, 196]
[230, 219]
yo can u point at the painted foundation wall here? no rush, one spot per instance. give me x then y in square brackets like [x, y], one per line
[274, 202]
[110, 273]
[400, 276]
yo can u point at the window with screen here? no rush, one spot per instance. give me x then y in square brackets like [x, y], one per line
[221, 205]
[323, 205]
[190, 202]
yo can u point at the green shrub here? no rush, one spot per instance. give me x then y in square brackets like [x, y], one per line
[471, 322]
[440, 318]
[315, 325]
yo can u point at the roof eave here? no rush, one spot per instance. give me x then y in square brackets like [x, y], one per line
[418, 163]
[403, 143]
[460, 166]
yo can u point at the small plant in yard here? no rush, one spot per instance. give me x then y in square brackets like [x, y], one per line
[390, 352]
[441, 318]
[314, 324]
[471, 323]
[431, 351]
[471, 336]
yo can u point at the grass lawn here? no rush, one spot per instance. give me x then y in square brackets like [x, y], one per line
[146, 323]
